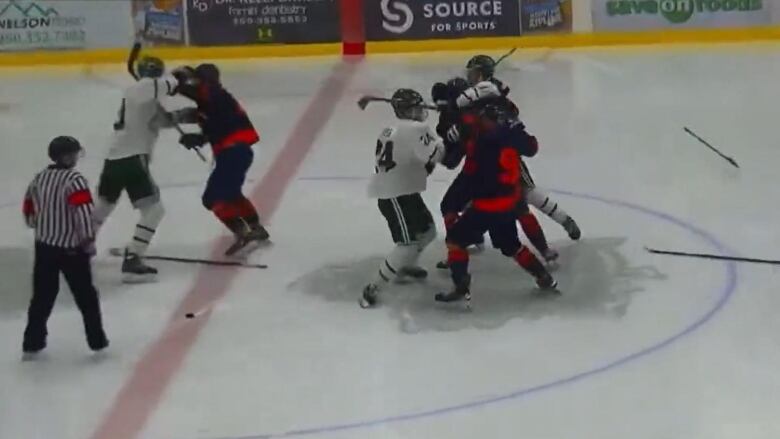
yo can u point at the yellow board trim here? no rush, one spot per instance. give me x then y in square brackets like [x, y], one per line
[676, 36]
[104, 56]
[563, 40]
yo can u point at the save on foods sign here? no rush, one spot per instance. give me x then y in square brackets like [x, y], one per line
[649, 14]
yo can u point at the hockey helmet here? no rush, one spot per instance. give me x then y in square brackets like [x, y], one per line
[208, 73]
[480, 68]
[408, 104]
[150, 67]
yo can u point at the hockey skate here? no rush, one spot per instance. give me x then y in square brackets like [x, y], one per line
[370, 296]
[572, 229]
[461, 293]
[247, 242]
[546, 283]
[550, 255]
[135, 271]
[418, 273]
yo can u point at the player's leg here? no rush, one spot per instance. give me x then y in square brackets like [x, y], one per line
[542, 201]
[410, 235]
[245, 207]
[110, 187]
[533, 230]
[503, 234]
[217, 196]
[422, 228]
[78, 274]
[455, 201]
[145, 197]
[469, 229]
[46, 285]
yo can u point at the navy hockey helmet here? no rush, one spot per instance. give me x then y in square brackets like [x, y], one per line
[208, 73]
[480, 68]
[408, 104]
[63, 146]
[150, 67]
[494, 113]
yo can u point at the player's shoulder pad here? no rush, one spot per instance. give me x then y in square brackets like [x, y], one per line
[487, 89]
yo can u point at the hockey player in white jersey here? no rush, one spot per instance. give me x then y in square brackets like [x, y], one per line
[485, 88]
[126, 167]
[406, 153]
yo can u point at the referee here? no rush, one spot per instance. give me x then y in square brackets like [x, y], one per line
[58, 205]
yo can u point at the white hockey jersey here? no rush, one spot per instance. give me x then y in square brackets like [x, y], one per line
[484, 89]
[140, 117]
[402, 152]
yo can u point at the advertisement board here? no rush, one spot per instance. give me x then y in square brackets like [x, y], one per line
[63, 24]
[424, 19]
[159, 22]
[653, 14]
[546, 16]
[237, 22]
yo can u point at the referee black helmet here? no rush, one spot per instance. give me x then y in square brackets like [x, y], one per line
[63, 146]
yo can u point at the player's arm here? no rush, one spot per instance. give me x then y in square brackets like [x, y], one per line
[28, 207]
[429, 148]
[526, 144]
[80, 201]
[484, 89]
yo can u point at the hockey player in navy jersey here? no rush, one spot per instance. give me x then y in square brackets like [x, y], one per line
[226, 126]
[493, 184]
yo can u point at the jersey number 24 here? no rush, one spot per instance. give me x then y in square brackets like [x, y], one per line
[384, 156]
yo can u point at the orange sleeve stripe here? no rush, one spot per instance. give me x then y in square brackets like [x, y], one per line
[80, 198]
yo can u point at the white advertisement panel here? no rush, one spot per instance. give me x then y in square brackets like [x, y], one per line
[64, 24]
[657, 14]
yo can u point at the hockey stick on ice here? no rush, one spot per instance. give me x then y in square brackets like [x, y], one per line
[206, 262]
[707, 144]
[711, 256]
[119, 252]
[367, 99]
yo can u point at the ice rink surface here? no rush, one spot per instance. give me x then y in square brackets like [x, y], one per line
[638, 346]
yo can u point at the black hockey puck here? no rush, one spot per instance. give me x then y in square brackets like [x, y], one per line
[190, 315]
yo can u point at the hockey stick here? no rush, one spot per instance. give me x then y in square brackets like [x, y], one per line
[367, 99]
[206, 262]
[705, 143]
[178, 128]
[710, 256]
[118, 252]
[505, 56]
[134, 53]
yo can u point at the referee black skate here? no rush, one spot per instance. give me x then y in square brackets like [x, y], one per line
[58, 205]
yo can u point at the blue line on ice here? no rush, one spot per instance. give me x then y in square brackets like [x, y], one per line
[725, 293]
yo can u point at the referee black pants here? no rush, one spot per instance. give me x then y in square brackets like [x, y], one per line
[75, 266]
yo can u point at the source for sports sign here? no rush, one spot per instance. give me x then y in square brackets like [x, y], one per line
[423, 19]
[237, 22]
[546, 16]
[648, 14]
[62, 24]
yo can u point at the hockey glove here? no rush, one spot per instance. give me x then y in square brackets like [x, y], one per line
[192, 140]
[453, 134]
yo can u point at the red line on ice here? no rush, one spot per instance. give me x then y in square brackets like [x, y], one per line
[143, 390]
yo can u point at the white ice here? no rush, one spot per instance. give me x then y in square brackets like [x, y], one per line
[638, 346]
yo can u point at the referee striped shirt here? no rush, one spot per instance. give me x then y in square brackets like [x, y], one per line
[58, 205]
